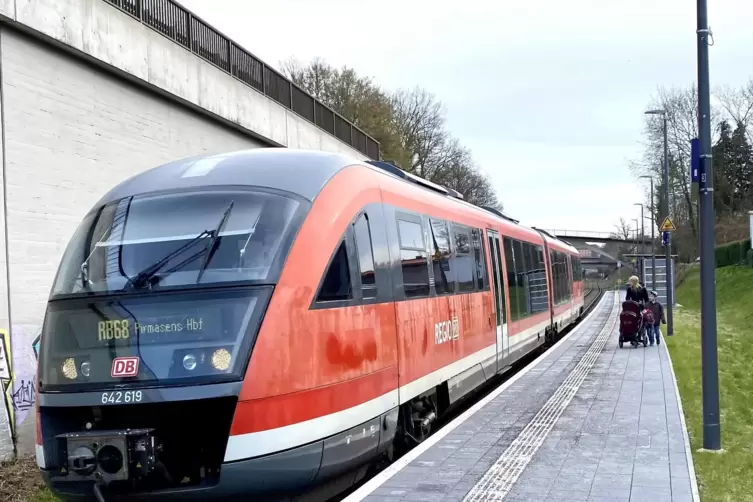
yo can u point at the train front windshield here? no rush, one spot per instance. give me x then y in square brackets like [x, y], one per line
[155, 277]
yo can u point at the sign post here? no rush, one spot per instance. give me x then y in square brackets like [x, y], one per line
[667, 227]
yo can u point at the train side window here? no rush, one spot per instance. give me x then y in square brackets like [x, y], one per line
[365, 251]
[555, 276]
[559, 269]
[479, 258]
[444, 284]
[463, 259]
[336, 284]
[520, 264]
[528, 277]
[539, 298]
[414, 259]
[512, 280]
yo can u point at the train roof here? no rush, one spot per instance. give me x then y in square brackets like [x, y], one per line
[279, 169]
[302, 172]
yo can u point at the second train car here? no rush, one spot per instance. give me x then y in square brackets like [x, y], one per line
[265, 320]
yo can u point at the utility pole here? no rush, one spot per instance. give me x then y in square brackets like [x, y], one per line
[710, 378]
[669, 276]
[653, 241]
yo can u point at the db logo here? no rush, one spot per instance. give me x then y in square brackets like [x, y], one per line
[125, 367]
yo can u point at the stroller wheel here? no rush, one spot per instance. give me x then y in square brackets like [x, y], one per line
[621, 342]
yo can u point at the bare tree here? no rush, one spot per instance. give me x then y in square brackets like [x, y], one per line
[420, 123]
[358, 99]
[622, 230]
[737, 105]
[409, 124]
[682, 126]
[458, 171]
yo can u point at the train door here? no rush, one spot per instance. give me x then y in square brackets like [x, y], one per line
[498, 288]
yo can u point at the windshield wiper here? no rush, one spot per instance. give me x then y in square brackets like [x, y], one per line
[212, 247]
[145, 277]
[142, 278]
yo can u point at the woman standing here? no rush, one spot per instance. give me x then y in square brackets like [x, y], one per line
[636, 292]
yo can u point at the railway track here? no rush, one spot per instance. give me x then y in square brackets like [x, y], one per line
[337, 490]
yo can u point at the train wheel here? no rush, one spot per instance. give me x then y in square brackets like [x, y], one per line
[415, 422]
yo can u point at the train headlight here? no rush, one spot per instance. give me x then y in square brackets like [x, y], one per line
[86, 368]
[69, 369]
[221, 359]
[189, 362]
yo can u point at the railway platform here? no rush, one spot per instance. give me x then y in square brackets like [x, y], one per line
[586, 421]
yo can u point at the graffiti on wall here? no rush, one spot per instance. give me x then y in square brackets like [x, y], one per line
[18, 368]
[6, 374]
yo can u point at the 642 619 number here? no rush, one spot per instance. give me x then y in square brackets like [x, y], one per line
[122, 397]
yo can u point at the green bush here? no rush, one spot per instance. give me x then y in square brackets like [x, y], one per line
[733, 253]
[750, 258]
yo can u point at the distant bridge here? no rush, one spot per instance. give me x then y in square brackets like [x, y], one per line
[591, 236]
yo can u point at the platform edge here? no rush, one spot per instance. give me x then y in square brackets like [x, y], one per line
[378, 480]
[686, 438]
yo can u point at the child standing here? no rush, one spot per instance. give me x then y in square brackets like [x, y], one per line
[657, 309]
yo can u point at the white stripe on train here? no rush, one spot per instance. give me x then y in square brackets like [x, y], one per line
[255, 444]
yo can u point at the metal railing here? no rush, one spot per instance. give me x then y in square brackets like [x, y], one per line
[186, 29]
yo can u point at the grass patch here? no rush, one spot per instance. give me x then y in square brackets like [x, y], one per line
[20, 482]
[726, 477]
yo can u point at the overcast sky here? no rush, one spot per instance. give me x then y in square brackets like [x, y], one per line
[548, 94]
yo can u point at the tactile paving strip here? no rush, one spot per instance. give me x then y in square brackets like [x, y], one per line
[500, 478]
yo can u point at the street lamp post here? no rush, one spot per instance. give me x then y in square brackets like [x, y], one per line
[643, 241]
[712, 439]
[653, 241]
[636, 238]
[643, 229]
[669, 277]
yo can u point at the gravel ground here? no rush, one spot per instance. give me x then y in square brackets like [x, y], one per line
[20, 480]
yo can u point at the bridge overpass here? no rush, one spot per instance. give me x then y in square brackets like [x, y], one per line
[599, 250]
[591, 236]
[93, 92]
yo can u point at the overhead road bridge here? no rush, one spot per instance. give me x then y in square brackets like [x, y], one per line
[94, 92]
[588, 236]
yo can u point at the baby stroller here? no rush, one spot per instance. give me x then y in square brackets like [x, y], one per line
[632, 325]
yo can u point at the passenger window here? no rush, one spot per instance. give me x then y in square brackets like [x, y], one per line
[561, 279]
[522, 279]
[411, 235]
[479, 258]
[365, 257]
[539, 298]
[554, 257]
[512, 280]
[443, 280]
[336, 285]
[414, 259]
[463, 259]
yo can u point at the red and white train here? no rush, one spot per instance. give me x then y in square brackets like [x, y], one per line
[268, 319]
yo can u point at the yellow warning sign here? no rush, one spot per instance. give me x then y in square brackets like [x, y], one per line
[668, 226]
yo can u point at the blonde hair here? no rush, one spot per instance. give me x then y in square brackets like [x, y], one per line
[634, 282]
